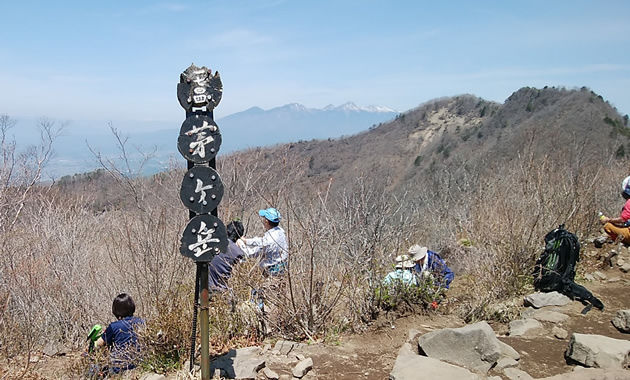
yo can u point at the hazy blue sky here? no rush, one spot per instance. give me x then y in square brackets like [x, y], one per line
[121, 60]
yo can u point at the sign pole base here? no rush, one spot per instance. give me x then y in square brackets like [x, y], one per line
[205, 321]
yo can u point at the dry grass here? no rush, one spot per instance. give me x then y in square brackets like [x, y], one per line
[62, 262]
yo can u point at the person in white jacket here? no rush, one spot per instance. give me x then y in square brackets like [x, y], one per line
[271, 249]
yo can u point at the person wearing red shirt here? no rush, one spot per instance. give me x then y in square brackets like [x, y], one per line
[620, 227]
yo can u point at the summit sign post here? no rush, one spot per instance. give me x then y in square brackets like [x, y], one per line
[199, 92]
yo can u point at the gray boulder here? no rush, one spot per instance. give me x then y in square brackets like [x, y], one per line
[622, 321]
[559, 332]
[243, 363]
[598, 351]
[270, 374]
[538, 300]
[152, 376]
[505, 363]
[411, 366]
[581, 373]
[475, 346]
[522, 327]
[302, 368]
[283, 347]
[549, 316]
[509, 352]
[516, 374]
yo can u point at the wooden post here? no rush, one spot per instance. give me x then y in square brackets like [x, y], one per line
[204, 318]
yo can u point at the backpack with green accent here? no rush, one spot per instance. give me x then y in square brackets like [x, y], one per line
[562, 252]
[555, 269]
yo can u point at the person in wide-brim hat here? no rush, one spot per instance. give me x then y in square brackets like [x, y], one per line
[430, 263]
[402, 274]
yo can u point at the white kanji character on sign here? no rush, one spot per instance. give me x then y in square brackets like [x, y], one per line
[202, 189]
[204, 236]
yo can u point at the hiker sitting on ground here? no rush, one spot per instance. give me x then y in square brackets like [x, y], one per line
[121, 336]
[220, 268]
[402, 273]
[619, 227]
[271, 248]
[429, 263]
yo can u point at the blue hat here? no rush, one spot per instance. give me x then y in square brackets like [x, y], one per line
[271, 214]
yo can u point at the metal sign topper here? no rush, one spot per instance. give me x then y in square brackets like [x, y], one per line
[199, 90]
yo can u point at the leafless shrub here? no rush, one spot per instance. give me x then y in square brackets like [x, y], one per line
[62, 259]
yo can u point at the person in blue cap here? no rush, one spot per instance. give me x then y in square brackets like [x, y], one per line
[271, 248]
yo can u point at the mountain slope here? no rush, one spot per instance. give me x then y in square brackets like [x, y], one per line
[466, 131]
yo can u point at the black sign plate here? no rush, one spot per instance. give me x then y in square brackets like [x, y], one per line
[199, 90]
[203, 238]
[201, 189]
[199, 139]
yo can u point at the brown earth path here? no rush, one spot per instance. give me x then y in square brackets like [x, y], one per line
[372, 355]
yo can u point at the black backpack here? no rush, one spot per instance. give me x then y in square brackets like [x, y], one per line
[562, 252]
[555, 269]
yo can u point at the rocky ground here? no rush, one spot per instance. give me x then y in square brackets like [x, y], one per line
[553, 338]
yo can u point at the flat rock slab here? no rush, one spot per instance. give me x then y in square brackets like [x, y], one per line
[411, 366]
[599, 275]
[509, 352]
[505, 363]
[270, 374]
[559, 333]
[622, 321]
[516, 374]
[598, 351]
[538, 300]
[243, 363]
[153, 376]
[302, 368]
[549, 316]
[283, 347]
[522, 327]
[581, 373]
[474, 347]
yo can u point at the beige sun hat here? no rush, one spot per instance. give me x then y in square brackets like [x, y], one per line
[403, 261]
[417, 252]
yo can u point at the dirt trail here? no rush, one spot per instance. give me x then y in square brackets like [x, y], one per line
[372, 355]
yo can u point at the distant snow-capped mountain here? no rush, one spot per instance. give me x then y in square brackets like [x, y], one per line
[294, 121]
[350, 106]
[249, 128]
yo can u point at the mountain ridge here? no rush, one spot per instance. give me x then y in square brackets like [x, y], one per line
[456, 133]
